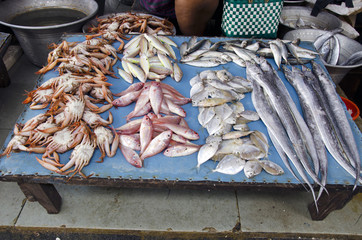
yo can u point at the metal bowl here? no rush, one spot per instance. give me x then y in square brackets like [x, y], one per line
[290, 15]
[35, 39]
[348, 46]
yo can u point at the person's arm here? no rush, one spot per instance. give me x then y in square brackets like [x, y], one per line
[193, 15]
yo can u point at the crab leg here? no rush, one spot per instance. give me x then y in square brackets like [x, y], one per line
[48, 166]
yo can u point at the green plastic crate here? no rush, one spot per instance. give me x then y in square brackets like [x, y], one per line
[251, 18]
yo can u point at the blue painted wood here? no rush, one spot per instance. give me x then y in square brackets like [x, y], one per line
[161, 167]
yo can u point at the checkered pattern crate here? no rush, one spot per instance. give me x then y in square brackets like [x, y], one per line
[251, 18]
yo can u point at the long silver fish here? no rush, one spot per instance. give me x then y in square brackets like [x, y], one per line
[304, 130]
[318, 42]
[278, 133]
[321, 93]
[339, 113]
[282, 154]
[281, 107]
[204, 63]
[324, 126]
[317, 138]
[334, 54]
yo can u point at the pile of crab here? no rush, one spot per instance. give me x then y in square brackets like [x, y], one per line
[115, 25]
[94, 55]
[71, 104]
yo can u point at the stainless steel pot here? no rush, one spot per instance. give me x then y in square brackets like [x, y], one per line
[35, 39]
[347, 48]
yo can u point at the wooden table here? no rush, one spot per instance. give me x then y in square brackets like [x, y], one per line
[159, 171]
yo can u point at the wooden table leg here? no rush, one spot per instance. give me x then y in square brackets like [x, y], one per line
[45, 194]
[328, 203]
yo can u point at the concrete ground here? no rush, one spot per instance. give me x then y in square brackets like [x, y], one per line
[113, 213]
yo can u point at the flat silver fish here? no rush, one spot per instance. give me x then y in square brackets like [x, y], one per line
[271, 167]
[230, 164]
[252, 168]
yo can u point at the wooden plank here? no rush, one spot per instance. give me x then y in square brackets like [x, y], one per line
[327, 203]
[4, 76]
[45, 194]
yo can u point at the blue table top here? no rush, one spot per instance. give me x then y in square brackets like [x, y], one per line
[160, 167]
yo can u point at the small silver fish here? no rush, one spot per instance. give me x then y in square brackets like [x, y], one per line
[241, 127]
[250, 115]
[271, 167]
[252, 168]
[230, 164]
[206, 152]
[205, 115]
[224, 75]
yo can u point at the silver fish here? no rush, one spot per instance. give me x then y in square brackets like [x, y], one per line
[241, 127]
[260, 140]
[214, 125]
[252, 168]
[195, 80]
[253, 47]
[304, 130]
[208, 74]
[204, 63]
[196, 88]
[213, 138]
[299, 52]
[318, 42]
[283, 155]
[224, 75]
[206, 152]
[237, 107]
[271, 167]
[223, 111]
[183, 48]
[327, 133]
[250, 115]
[236, 134]
[249, 152]
[296, 154]
[230, 164]
[339, 114]
[205, 115]
[202, 44]
[276, 54]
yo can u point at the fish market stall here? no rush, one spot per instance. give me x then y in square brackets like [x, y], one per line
[161, 170]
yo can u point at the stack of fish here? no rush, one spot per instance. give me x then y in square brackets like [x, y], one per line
[154, 133]
[287, 128]
[204, 53]
[325, 113]
[153, 62]
[156, 96]
[328, 46]
[217, 94]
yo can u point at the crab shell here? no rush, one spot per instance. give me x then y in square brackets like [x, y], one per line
[74, 110]
[81, 155]
[104, 139]
[65, 139]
